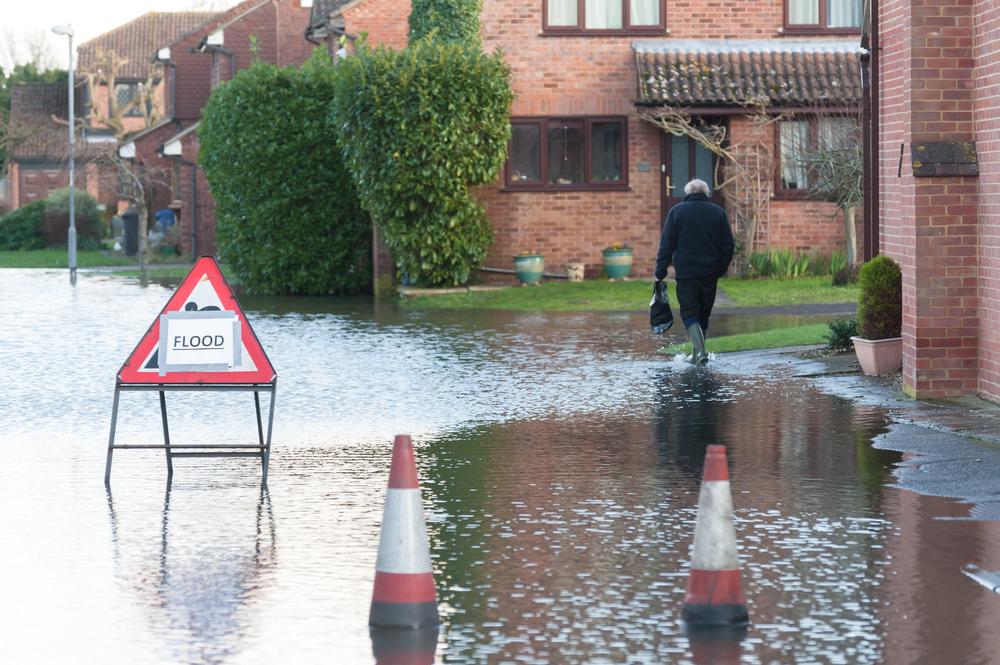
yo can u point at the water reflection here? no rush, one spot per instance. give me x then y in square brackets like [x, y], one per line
[197, 588]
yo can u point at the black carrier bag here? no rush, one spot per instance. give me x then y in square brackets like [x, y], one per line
[660, 316]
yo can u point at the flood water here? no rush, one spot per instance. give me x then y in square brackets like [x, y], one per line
[560, 458]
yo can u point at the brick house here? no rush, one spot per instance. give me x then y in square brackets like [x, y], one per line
[938, 184]
[38, 160]
[585, 170]
[196, 62]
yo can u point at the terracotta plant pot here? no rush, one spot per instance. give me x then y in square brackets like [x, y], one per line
[529, 268]
[879, 356]
[574, 272]
[617, 263]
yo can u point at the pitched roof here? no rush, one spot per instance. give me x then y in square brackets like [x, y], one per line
[137, 39]
[730, 72]
[32, 106]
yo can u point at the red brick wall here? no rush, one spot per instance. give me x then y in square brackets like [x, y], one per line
[986, 96]
[385, 21]
[930, 224]
[205, 214]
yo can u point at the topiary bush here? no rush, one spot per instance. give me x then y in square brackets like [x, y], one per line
[880, 299]
[289, 220]
[22, 229]
[420, 127]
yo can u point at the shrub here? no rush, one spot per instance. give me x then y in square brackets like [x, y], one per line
[880, 299]
[289, 220]
[446, 20]
[419, 127]
[55, 230]
[838, 261]
[841, 332]
[84, 206]
[847, 275]
[22, 229]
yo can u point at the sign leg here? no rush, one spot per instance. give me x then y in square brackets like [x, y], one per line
[111, 437]
[166, 435]
[270, 427]
[260, 426]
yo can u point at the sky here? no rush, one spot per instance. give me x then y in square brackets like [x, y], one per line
[21, 18]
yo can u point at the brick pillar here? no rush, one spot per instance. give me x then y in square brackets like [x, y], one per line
[930, 212]
[383, 270]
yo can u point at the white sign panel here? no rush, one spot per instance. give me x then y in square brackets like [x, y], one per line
[199, 341]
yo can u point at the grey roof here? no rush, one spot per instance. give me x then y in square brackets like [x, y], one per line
[730, 72]
[32, 107]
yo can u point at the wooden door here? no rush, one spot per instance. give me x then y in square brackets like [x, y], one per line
[682, 159]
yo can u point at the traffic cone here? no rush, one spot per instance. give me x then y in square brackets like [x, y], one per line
[404, 595]
[713, 597]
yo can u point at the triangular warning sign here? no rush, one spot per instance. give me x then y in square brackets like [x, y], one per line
[203, 290]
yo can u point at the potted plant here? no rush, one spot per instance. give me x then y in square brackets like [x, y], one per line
[879, 343]
[529, 266]
[617, 260]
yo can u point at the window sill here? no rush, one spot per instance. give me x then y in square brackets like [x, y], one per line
[790, 195]
[555, 189]
[652, 31]
[798, 31]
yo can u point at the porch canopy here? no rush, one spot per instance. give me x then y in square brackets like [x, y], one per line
[740, 72]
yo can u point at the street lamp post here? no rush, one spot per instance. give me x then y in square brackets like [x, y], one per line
[69, 31]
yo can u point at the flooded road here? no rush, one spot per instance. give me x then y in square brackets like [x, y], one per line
[560, 459]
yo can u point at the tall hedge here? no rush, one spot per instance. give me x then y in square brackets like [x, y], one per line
[447, 20]
[880, 299]
[289, 220]
[420, 127]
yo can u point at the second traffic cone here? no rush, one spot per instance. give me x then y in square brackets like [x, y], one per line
[404, 595]
[713, 597]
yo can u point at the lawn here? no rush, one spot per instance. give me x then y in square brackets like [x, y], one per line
[799, 291]
[59, 258]
[552, 296]
[172, 272]
[769, 339]
[602, 295]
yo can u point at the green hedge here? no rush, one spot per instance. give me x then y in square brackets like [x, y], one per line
[22, 229]
[446, 20]
[420, 127]
[289, 220]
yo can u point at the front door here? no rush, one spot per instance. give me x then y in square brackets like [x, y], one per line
[682, 160]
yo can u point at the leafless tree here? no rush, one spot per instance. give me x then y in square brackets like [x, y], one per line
[149, 99]
[18, 47]
[135, 181]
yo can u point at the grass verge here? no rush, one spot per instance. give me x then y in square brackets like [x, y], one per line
[59, 258]
[602, 295]
[768, 339]
[799, 291]
[552, 296]
[171, 272]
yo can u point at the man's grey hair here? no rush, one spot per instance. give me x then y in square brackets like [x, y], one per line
[699, 186]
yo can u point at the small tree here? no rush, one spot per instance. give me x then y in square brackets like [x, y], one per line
[833, 162]
[149, 98]
[289, 220]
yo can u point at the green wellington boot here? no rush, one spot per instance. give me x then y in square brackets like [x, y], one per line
[699, 356]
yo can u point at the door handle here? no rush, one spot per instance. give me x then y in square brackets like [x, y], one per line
[669, 188]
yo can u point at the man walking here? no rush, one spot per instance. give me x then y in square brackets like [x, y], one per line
[697, 239]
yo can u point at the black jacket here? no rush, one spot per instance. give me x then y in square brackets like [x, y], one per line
[697, 239]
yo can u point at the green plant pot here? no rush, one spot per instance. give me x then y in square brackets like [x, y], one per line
[617, 264]
[529, 268]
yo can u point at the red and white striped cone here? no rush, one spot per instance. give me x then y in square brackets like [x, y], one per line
[404, 595]
[714, 597]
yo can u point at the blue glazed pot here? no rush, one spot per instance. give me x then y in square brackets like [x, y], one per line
[529, 268]
[617, 263]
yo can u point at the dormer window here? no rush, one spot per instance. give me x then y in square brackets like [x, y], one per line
[602, 17]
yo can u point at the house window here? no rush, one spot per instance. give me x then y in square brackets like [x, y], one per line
[567, 154]
[794, 137]
[124, 94]
[577, 17]
[832, 16]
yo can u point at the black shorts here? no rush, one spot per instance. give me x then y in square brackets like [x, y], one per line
[696, 297]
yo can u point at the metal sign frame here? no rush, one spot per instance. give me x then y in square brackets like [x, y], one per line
[262, 449]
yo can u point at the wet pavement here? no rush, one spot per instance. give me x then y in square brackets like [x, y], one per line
[560, 458]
